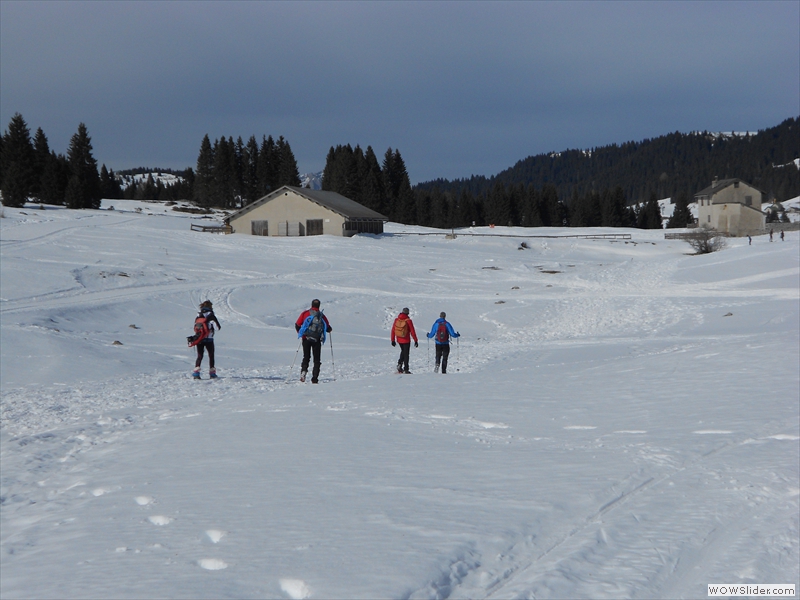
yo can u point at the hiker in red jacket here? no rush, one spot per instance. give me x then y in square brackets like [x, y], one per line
[311, 342]
[402, 332]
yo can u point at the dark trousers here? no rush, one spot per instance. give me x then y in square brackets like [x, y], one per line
[442, 352]
[206, 344]
[405, 350]
[308, 347]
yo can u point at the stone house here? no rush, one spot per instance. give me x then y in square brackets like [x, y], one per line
[294, 211]
[731, 206]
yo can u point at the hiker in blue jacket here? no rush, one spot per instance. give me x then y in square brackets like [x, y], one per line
[441, 332]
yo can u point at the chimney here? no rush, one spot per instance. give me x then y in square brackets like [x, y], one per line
[715, 182]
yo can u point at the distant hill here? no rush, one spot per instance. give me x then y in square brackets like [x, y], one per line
[665, 166]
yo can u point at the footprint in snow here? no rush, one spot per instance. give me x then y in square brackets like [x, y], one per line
[712, 432]
[296, 589]
[143, 500]
[215, 535]
[159, 520]
[212, 564]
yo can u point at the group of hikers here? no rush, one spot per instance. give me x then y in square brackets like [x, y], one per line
[312, 328]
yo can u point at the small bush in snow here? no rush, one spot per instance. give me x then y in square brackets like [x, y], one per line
[705, 241]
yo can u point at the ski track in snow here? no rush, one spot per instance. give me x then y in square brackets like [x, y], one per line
[583, 317]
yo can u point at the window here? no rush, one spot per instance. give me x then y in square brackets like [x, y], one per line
[289, 229]
[709, 218]
[748, 201]
[314, 227]
[259, 227]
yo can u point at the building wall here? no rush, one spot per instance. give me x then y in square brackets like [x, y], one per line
[727, 212]
[734, 219]
[289, 207]
[731, 194]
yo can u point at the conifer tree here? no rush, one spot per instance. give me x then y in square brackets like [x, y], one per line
[18, 163]
[533, 206]
[55, 178]
[250, 189]
[224, 174]
[41, 156]
[681, 215]
[372, 183]
[549, 208]
[267, 166]
[83, 189]
[287, 165]
[204, 177]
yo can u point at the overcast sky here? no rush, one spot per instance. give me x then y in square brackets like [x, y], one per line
[459, 88]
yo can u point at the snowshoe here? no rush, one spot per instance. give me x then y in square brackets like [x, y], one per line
[303, 376]
[196, 374]
[212, 373]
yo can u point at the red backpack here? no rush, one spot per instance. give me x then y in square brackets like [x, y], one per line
[442, 335]
[200, 331]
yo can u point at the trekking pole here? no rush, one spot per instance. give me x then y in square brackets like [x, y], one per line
[458, 354]
[428, 363]
[333, 364]
[294, 359]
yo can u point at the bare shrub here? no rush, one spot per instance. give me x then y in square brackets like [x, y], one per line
[704, 240]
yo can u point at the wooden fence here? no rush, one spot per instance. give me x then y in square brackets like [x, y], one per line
[211, 228]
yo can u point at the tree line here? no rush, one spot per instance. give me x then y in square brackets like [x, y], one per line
[233, 174]
[385, 188]
[667, 166]
[29, 169]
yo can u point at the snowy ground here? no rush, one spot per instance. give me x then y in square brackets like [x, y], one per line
[620, 419]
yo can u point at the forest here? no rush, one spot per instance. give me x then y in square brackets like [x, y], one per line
[610, 186]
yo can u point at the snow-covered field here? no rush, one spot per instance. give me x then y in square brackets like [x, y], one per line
[620, 419]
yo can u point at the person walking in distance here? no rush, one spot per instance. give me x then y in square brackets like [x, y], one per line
[402, 332]
[206, 343]
[312, 326]
[441, 332]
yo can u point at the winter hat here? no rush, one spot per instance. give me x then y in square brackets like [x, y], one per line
[442, 315]
[405, 311]
[206, 304]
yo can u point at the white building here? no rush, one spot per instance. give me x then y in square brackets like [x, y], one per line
[293, 211]
[731, 206]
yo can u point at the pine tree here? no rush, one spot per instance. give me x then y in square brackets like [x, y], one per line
[267, 166]
[224, 174]
[649, 215]
[18, 163]
[681, 215]
[372, 183]
[287, 165]
[204, 178]
[83, 189]
[55, 178]
[250, 189]
[548, 207]
[41, 156]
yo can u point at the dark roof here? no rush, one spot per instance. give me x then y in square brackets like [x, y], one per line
[721, 184]
[349, 209]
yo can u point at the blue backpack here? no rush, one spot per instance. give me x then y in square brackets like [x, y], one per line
[314, 326]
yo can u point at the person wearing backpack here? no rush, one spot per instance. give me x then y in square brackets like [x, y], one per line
[441, 332]
[208, 318]
[312, 326]
[402, 332]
